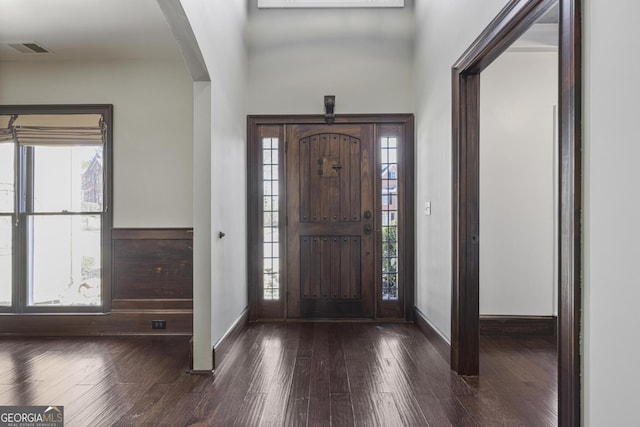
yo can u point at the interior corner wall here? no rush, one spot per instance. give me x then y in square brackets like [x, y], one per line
[519, 91]
[153, 127]
[362, 56]
[444, 30]
[219, 30]
[611, 205]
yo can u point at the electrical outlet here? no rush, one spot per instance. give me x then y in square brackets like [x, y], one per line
[158, 324]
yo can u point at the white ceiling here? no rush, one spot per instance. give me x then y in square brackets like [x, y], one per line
[539, 38]
[86, 29]
[128, 29]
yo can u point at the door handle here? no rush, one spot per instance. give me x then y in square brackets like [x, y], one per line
[367, 229]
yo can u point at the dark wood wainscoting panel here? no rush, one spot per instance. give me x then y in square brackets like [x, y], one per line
[178, 322]
[152, 304]
[152, 264]
[518, 325]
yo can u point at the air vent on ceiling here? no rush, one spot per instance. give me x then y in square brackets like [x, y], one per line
[29, 47]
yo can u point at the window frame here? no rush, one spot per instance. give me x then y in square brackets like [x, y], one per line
[23, 187]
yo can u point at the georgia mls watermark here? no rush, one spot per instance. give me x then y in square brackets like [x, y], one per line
[31, 416]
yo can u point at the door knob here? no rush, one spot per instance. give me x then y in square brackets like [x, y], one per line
[367, 229]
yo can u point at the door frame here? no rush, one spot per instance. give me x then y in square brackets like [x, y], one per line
[516, 17]
[277, 125]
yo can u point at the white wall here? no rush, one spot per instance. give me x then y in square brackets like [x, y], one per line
[362, 56]
[517, 191]
[153, 130]
[444, 29]
[611, 280]
[219, 30]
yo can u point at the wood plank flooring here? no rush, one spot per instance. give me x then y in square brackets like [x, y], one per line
[297, 374]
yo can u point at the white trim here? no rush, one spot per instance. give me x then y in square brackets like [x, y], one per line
[328, 3]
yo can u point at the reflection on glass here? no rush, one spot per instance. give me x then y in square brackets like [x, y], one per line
[271, 266]
[7, 176]
[68, 179]
[389, 177]
[5, 260]
[66, 261]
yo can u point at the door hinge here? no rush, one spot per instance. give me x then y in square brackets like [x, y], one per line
[286, 146]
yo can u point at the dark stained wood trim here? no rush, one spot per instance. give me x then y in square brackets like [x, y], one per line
[443, 347]
[151, 304]
[513, 20]
[254, 120]
[55, 109]
[465, 344]
[221, 349]
[409, 220]
[254, 217]
[179, 322]
[570, 292]
[152, 233]
[518, 325]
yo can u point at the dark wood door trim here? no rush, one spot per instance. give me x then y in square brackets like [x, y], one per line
[275, 126]
[512, 21]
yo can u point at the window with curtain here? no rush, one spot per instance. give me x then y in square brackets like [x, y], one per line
[55, 174]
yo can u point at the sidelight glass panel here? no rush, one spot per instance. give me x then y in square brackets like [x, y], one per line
[65, 267]
[6, 260]
[271, 214]
[389, 188]
[68, 179]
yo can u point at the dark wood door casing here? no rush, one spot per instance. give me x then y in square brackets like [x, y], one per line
[399, 126]
[514, 19]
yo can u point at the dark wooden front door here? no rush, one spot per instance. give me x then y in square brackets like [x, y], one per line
[330, 253]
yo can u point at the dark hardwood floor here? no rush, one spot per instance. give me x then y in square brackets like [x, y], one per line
[297, 374]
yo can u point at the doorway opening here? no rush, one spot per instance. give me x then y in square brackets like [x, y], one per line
[508, 26]
[331, 217]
